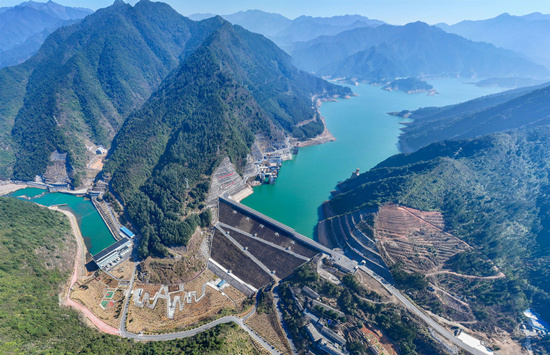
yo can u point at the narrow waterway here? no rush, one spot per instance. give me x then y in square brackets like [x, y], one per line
[94, 231]
[365, 136]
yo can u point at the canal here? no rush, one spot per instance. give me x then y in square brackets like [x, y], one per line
[94, 231]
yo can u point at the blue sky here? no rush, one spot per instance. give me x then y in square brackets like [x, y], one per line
[391, 11]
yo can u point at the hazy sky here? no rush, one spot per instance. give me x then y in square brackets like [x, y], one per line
[391, 11]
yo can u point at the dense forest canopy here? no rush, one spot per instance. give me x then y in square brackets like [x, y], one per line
[235, 85]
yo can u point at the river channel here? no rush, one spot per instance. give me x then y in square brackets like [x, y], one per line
[94, 231]
[365, 136]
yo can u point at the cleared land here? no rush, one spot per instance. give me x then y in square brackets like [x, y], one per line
[124, 270]
[211, 305]
[8, 188]
[415, 238]
[372, 285]
[380, 341]
[188, 263]
[94, 295]
[268, 328]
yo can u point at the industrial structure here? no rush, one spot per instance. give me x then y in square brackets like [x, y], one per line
[114, 254]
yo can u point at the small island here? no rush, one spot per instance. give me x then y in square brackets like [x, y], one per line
[410, 86]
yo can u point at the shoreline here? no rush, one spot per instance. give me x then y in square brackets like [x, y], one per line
[322, 138]
[325, 136]
[79, 269]
[10, 187]
[242, 194]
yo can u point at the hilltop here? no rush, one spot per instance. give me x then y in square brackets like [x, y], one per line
[234, 86]
[87, 78]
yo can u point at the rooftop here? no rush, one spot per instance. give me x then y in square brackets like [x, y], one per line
[102, 254]
[127, 232]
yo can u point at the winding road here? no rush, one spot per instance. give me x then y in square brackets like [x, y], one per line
[411, 307]
[192, 332]
[102, 326]
[105, 328]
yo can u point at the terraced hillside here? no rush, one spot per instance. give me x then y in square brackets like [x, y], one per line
[415, 238]
[492, 192]
[352, 233]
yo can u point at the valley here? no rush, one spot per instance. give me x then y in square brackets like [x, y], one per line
[365, 135]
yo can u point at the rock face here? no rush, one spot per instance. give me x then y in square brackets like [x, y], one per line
[224, 179]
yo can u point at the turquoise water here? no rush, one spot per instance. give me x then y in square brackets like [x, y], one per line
[94, 231]
[365, 136]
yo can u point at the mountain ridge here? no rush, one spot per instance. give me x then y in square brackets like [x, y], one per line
[23, 28]
[415, 49]
[526, 34]
[524, 107]
[234, 86]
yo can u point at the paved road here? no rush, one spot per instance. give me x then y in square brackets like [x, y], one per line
[411, 307]
[276, 300]
[191, 332]
[78, 264]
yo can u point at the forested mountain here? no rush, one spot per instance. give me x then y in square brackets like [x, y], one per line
[529, 34]
[285, 32]
[525, 107]
[86, 79]
[493, 192]
[23, 28]
[235, 85]
[383, 53]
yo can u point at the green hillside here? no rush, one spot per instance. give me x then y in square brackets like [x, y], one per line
[235, 85]
[85, 79]
[37, 251]
[524, 107]
[493, 192]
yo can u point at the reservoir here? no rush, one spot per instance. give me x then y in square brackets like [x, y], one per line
[94, 231]
[365, 136]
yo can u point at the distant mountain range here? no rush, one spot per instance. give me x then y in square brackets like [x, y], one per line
[285, 32]
[23, 28]
[383, 53]
[529, 34]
